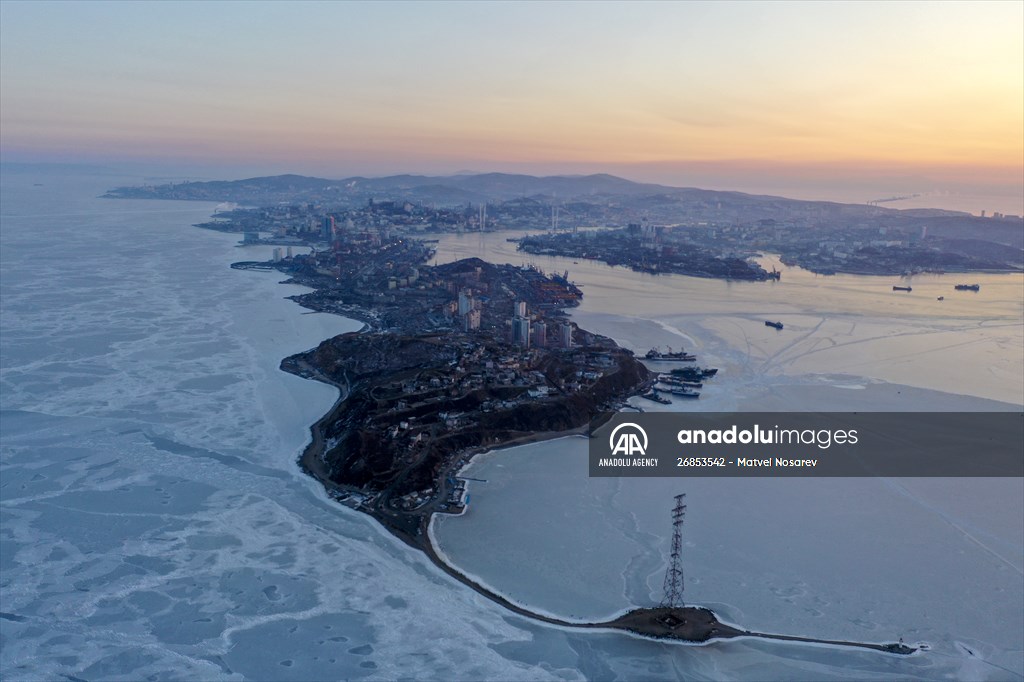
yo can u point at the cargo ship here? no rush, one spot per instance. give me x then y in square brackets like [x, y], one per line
[681, 356]
[968, 287]
[902, 288]
[693, 373]
[679, 381]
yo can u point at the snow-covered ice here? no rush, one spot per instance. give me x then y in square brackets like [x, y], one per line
[152, 519]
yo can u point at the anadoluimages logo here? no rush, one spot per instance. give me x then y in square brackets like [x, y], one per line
[628, 439]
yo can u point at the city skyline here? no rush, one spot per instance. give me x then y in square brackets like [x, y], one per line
[794, 98]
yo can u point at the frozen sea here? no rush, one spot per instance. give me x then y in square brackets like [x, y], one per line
[932, 560]
[154, 525]
[153, 522]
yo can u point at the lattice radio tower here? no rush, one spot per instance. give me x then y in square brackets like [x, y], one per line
[674, 573]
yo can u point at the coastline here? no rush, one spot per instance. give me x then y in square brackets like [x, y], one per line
[416, 535]
[701, 625]
[311, 462]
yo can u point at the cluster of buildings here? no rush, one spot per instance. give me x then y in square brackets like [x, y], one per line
[483, 382]
[524, 329]
[648, 249]
[887, 243]
[996, 215]
[468, 310]
[314, 223]
[530, 330]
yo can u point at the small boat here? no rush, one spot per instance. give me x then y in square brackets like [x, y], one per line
[968, 287]
[941, 298]
[769, 323]
[902, 289]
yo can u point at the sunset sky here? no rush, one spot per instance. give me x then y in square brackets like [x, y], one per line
[816, 95]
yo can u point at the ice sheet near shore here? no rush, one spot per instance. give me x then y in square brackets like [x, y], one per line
[153, 521]
[939, 560]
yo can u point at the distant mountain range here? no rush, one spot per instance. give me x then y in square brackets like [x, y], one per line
[452, 190]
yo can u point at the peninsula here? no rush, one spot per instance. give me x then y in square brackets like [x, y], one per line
[454, 360]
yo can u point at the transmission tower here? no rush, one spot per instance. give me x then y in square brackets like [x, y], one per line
[674, 573]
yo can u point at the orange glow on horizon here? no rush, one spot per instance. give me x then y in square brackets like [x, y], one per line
[930, 88]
